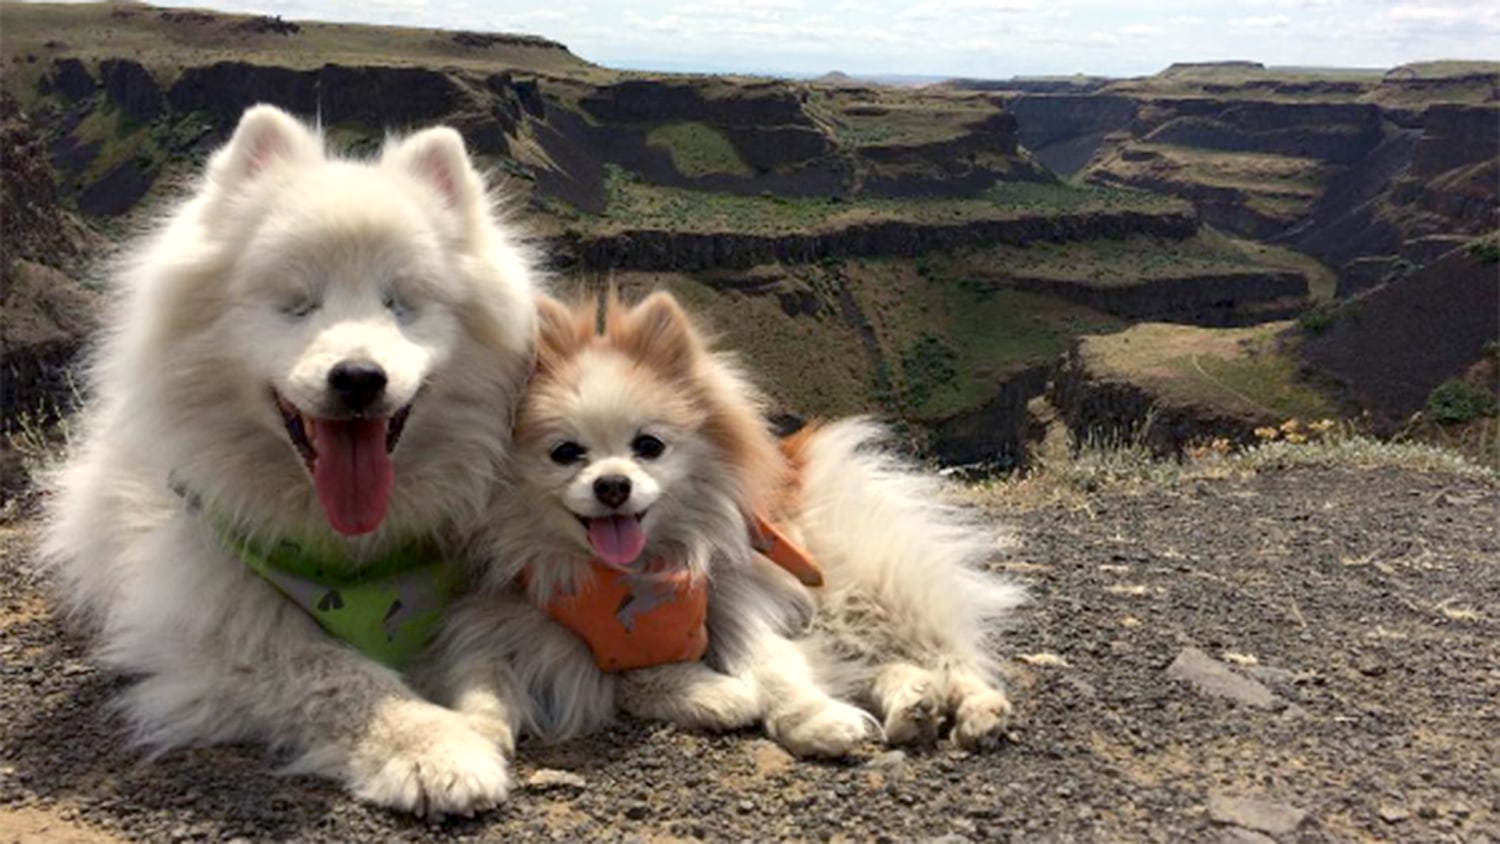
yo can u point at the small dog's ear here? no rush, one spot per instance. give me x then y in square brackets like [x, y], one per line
[561, 332]
[437, 158]
[659, 332]
[266, 138]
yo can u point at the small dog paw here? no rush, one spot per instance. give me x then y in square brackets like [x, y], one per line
[423, 759]
[914, 714]
[826, 730]
[494, 728]
[691, 696]
[981, 720]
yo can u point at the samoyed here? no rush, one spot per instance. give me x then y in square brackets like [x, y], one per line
[293, 414]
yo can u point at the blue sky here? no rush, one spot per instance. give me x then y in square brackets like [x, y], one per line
[987, 38]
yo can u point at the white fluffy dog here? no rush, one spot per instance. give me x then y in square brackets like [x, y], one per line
[294, 409]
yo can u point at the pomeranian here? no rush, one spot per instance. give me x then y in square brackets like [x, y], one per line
[621, 570]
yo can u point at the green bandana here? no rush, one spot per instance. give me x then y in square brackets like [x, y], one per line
[388, 608]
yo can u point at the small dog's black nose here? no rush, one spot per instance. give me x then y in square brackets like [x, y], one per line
[357, 383]
[612, 490]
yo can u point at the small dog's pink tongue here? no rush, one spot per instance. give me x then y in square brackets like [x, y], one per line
[617, 540]
[353, 473]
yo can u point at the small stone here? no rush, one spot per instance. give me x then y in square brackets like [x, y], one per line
[636, 811]
[890, 760]
[1271, 674]
[1391, 813]
[1212, 677]
[745, 806]
[1240, 835]
[1253, 813]
[548, 778]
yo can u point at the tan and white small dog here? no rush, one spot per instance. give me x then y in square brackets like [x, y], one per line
[640, 450]
[640, 454]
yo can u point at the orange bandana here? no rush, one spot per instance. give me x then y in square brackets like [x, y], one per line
[637, 620]
[632, 620]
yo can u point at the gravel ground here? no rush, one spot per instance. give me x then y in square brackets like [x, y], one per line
[1307, 654]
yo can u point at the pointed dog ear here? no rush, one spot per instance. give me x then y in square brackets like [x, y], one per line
[561, 332]
[266, 138]
[438, 159]
[659, 332]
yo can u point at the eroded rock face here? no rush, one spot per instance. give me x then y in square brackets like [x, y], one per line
[45, 316]
[657, 101]
[1391, 346]
[998, 431]
[690, 251]
[131, 88]
[32, 226]
[373, 96]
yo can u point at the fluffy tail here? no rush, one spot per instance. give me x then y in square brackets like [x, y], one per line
[898, 561]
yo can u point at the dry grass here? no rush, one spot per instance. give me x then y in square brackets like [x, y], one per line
[1242, 370]
[1069, 482]
[167, 40]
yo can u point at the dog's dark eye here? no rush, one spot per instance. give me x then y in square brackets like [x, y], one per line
[299, 308]
[567, 453]
[402, 310]
[647, 447]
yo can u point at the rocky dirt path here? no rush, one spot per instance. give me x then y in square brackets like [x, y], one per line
[1301, 655]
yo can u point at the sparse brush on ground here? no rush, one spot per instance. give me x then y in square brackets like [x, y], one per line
[34, 447]
[1126, 463]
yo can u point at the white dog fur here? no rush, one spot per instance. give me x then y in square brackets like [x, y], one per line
[908, 616]
[284, 262]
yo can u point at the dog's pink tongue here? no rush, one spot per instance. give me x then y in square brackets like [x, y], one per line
[353, 473]
[617, 540]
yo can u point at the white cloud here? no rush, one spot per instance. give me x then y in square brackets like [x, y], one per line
[1264, 22]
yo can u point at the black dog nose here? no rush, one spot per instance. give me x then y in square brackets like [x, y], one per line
[357, 383]
[612, 490]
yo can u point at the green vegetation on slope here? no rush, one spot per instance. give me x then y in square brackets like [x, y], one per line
[634, 204]
[1132, 260]
[949, 343]
[698, 149]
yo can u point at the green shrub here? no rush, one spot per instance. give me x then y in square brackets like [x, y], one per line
[1457, 401]
[1318, 318]
[926, 365]
[1487, 250]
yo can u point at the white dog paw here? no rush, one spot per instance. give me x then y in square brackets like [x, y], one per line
[494, 728]
[914, 714]
[690, 695]
[827, 730]
[427, 760]
[981, 720]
